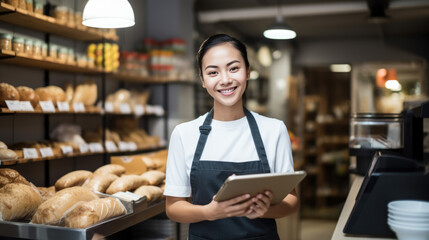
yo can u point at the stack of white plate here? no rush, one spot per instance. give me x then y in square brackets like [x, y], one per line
[409, 219]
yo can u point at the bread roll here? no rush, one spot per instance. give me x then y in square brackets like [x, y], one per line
[86, 93]
[3, 145]
[51, 93]
[69, 92]
[85, 214]
[7, 154]
[52, 210]
[46, 192]
[126, 183]
[28, 94]
[100, 182]
[7, 92]
[152, 193]
[18, 201]
[110, 168]
[75, 178]
[154, 177]
[8, 176]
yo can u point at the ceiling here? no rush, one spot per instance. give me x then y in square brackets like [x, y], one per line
[313, 19]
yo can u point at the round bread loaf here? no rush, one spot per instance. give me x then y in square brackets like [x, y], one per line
[51, 93]
[3, 145]
[7, 92]
[28, 94]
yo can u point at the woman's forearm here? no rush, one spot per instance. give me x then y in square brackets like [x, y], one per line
[180, 210]
[289, 205]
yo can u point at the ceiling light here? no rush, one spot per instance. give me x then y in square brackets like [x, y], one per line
[254, 75]
[264, 56]
[108, 14]
[279, 30]
[340, 68]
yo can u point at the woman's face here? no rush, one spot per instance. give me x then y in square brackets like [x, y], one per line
[224, 75]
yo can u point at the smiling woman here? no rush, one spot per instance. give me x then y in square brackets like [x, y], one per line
[228, 140]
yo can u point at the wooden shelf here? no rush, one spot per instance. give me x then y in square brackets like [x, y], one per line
[24, 60]
[146, 79]
[47, 24]
[89, 110]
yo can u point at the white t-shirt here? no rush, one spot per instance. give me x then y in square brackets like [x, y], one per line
[228, 141]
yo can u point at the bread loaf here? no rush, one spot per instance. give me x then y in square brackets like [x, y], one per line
[7, 154]
[51, 93]
[126, 183]
[86, 93]
[100, 182]
[18, 201]
[52, 210]
[110, 168]
[46, 192]
[154, 177]
[152, 193]
[3, 145]
[8, 176]
[69, 92]
[7, 92]
[75, 178]
[85, 214]
[28, 94]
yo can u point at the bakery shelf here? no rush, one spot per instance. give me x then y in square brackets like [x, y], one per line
[89, 110]
[10, 57]
[48, 24]
[97, 231]
[146, 79]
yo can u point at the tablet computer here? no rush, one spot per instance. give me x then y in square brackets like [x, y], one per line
[280, 185]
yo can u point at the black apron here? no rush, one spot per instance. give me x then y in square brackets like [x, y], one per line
[208, 176]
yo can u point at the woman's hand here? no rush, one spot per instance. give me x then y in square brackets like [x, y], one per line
[261, 204]
[236, 207]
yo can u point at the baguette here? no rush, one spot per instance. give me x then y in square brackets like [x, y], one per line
[99, 183]
[154, 177]
[152, 193]
[75, 178]
[110, 168]
[85, 214]
[52, 210]
[18, 201]
[126, 183]
[8, 176]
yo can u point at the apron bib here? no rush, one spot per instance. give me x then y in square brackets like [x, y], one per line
[208, 176]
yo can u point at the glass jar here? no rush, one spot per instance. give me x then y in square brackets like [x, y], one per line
[29, 4]
[28, 46]
[60, 14]
[6, 41]
[22, 4]
[78, 19]
[52, 51]
[18, 44]
[62, 54]
[38, 7]
[44, 50]
[71, 22]
[14, 3]
[70, 56]
[37, 48]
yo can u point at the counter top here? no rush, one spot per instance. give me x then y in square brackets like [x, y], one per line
[345, 213]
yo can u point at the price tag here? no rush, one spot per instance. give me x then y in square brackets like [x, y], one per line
[138, 110]
[125, 108]
[126, 158]
[63, 106]
[13, 105]
[26, 106]
[78, 107]
[108, 107]
[83, 148]
[123, 146]
[66, 149]
[110, 146]
[46, 152]
[96, 147]
[47, 106]
[30, 153]
[132, 146]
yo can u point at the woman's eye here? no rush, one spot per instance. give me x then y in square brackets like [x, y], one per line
[234, 69]
[211, 73]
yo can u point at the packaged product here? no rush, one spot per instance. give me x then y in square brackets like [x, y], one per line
[37, 48]
[28, 46]
[18, 44]
[18, 201]
[6, 41]
[29, 4]
[38, 7]
[14, 3]
[61, 14]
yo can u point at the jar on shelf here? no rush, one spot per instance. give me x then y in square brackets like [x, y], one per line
[6, 41]
[22, 4]
[38, 7]
[81, 60]
[18, 44]
[62, 54]
[37, 48]
[78, 19]
[71, 22]
[61, 14]
[29, 4]
[44, 49]
[70, 56]
[14, 3]
[28, 46]
[52, 50]
[143, 64]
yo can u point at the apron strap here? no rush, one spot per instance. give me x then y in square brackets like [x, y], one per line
[258, 141]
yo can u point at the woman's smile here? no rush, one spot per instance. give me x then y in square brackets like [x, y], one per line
[227, 92]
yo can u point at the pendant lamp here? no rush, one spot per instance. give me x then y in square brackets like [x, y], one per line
[279, 30]
[108, 14]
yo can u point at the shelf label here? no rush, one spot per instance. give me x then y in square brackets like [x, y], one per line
[83, 148]
[108, 107]
[66, 149]
[78, 107]
[96, 147]
[132, 146]
[26, 106]
[46, 152]
[30, 153]
[123, 146]
[63, 106]
[124, 108]
[138, 110]
[47, 106]
[13, 105]
[110, 146]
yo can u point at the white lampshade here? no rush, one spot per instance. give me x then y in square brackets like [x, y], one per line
[108, 14]
[279, 30]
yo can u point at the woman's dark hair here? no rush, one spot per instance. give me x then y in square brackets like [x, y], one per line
[220, 39]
